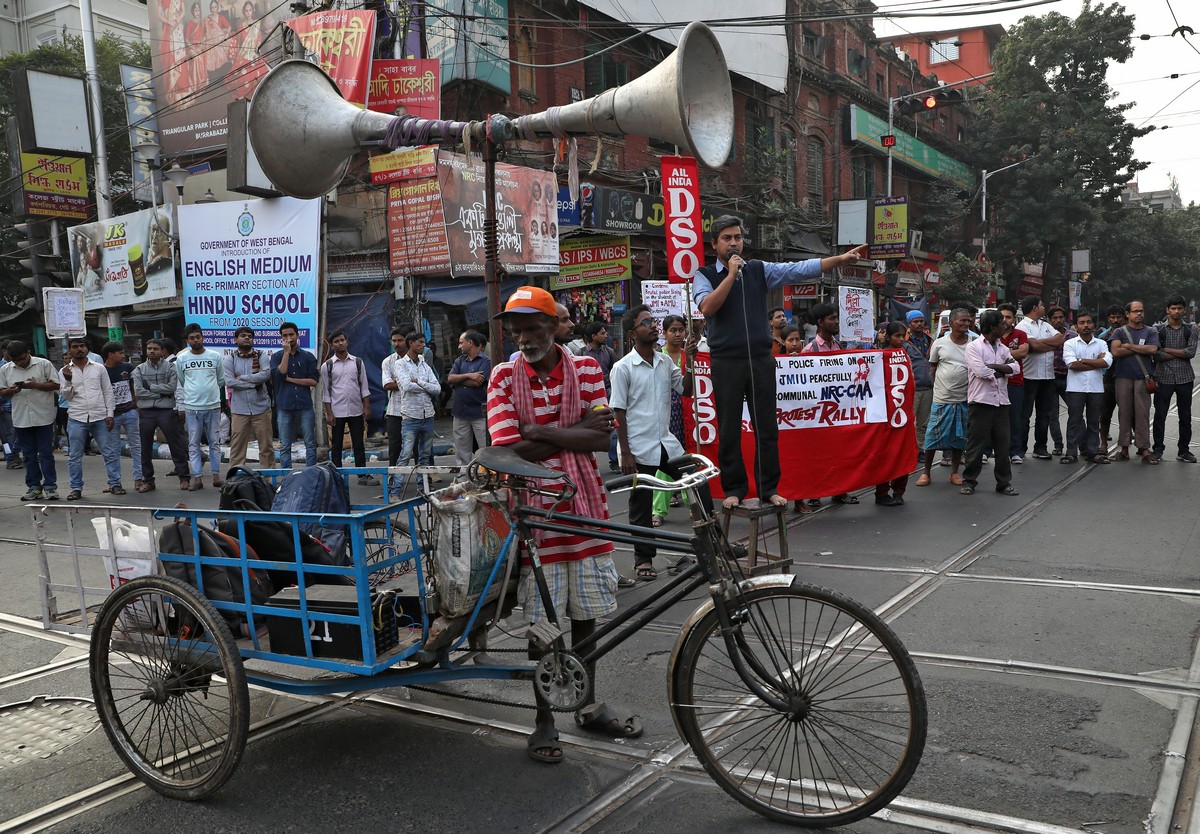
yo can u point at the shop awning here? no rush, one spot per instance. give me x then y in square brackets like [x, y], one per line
[804, 245]
[468, 292]
[154, 315]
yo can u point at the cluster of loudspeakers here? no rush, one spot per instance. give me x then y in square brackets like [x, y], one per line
[305, 134]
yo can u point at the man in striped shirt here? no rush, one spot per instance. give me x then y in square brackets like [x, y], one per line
[549, 407]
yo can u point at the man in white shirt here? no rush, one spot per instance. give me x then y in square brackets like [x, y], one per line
[642, 382]
[1086, 359]
[85, 386]
[1038, 366]
[420, 389]
[390, 374]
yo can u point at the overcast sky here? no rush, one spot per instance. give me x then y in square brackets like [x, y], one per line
[1143, 80]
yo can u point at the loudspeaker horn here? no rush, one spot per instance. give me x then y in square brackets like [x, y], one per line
[304, 133]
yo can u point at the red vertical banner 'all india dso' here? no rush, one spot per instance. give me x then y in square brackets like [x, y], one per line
[684, 225]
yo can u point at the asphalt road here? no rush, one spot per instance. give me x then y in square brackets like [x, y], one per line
[1055, 633]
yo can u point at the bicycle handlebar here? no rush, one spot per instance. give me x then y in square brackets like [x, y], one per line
[705, 470]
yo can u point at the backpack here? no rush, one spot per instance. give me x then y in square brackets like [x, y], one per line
[242, 484]
[221, 583]
[317, 489]
[276, 539]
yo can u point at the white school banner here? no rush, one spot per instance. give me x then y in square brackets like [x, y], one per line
[251, 263]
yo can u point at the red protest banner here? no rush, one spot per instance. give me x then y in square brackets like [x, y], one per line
[681, 205]
[845, 421]
[341, 41]
[407, 88]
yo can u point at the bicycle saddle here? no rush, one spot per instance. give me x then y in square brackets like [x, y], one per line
[506, 461]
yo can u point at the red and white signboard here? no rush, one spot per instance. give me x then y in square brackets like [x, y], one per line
[684, 226]
[406, 87]
[845, 421]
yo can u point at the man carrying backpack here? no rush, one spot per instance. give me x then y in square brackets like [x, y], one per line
[247, 374]
[347, 402]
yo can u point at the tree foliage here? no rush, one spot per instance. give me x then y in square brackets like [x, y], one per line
[1146, 256]
[963, 280]
[1050, 103]
[66, 58]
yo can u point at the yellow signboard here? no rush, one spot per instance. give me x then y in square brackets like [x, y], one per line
[889, 228]
[414, 163]
[55, 186]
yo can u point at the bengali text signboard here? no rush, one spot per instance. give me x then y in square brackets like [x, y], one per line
[417, 241]
[340, 42]
[55, 186]
[526, 216]
[406, 88]
[856, 319]
[889, 228]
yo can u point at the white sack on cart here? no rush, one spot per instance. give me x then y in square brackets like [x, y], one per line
[137, 553]
[469, 532]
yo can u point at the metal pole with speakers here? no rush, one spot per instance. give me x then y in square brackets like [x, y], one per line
[305, 134]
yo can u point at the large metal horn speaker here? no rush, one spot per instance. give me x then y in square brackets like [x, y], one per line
[304, 133]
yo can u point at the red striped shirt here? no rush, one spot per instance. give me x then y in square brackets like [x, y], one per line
[504, 428]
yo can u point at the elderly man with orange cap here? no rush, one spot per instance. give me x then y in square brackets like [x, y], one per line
[549, 407]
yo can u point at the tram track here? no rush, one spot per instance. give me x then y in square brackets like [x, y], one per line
[651, 765]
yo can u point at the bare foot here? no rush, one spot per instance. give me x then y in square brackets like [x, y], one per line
[730, 502]
[778, 500]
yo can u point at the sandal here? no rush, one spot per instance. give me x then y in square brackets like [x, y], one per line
[656, 520]
[967, 490]
[597, 718]
[845, 499]
[542, 746]
[1099, 459]
[924, 479]
[1009, 489]
[146, 486]
[116, 490]
[956, 479]
[625, 582]
[1069, 459]
[813, 502]
[1121, 455]
[646, 573]
[799, 506]
[74, 495]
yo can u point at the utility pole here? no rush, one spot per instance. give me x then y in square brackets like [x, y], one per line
[99, 149]
[984, 176]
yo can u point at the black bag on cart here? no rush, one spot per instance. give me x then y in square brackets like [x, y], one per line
[242, 484]
[221, 583]
[274, 538]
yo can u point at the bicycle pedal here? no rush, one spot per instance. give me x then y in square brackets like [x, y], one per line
[543, 633]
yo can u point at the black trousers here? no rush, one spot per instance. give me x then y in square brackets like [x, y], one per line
[150, 419]
[751, 381]
[1083, 423]
[1040, 396]
[987, 425]
[356, 425]
[1162, 404]
[395, 425]
[1106, 412]
[641, 505]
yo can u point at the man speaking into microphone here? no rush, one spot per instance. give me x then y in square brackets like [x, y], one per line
[732, 295]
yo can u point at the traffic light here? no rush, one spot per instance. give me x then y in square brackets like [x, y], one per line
[46, 269]
[926, 102]
[38, 259]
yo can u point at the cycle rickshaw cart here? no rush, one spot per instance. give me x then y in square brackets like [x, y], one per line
[799, 702]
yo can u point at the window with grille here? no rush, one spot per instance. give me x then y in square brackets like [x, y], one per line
[601, 72]
[862, 171]
[943, 51]
[816, 176]
[526, 81]
[788, 174]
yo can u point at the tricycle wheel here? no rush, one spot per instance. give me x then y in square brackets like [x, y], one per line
[169, 686]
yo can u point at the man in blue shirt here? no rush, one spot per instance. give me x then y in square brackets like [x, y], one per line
[294, 372]
[732, 295]
[469, 378]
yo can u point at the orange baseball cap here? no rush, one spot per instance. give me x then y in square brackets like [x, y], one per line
[530, 300]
